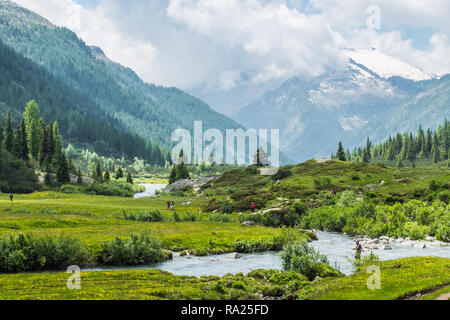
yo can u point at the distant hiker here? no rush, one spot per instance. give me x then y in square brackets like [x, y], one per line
[168, 205]
[172, 205]
[227, 208]
[11, 197]
[252, 207]
[359, 250]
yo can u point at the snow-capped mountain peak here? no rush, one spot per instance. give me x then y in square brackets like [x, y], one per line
[385, 66]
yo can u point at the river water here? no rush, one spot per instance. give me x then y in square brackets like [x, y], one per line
[150, 190]
[337, 247]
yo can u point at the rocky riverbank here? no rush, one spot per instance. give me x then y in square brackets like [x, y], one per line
[195, 184]
[386, 243]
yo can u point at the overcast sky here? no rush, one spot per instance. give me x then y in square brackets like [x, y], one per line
[218, 45]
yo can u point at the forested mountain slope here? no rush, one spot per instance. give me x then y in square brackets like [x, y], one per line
[150, 111]
[81, 121]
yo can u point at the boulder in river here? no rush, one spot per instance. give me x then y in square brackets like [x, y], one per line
[234, 255]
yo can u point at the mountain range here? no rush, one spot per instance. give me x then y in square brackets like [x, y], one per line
[374, 96]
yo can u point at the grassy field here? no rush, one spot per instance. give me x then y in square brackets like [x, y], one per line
[398, 279]
[97, 218]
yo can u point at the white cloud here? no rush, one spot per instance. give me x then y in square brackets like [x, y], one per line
[218, 45]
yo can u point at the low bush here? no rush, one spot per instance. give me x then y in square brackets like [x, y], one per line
[322, 183]
[222, 218]
[21, 252]
[300, 257]
[249, 246]
[151, 216]
[282, 173]
[136, 250]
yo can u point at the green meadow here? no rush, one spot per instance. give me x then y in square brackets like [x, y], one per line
[94, 219]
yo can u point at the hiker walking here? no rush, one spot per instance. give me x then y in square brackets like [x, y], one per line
[172, 205]
[168, 205]
[227, 208]
[11, 197]
[252, 207]
[359, 250]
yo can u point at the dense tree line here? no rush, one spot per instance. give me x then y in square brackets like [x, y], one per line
[83, 123]
[35, 143]
[425, 146]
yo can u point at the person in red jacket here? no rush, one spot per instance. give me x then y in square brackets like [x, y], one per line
[252, 207]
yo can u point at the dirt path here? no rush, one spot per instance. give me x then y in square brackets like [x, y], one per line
[419, 295]
[444, 297]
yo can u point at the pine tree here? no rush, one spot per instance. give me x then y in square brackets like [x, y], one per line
[57, 146]
[367, 151]
[1, 136]
[435, 152]
[129, 178]
[31, 117]
[106, 177]
[80, 177]
[340, 153]
[22, 142]
[399, 163]
[9, 134]
[173, 175]
[119, 173]
[62, 174]
[44, 150]
[98, 176]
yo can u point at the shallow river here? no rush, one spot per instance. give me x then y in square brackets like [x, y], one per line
[150, 190]
[337, 247]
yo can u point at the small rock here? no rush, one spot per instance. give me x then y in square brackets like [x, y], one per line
[386, 247]
[384, 238]
[234, 255]
[429, 238]
[248, 223]
[420, 246]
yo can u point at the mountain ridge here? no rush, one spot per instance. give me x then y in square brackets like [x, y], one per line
[348, 105]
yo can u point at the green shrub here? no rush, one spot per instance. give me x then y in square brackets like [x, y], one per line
[347, 198]
[136, 250]
[222, 218]
[300, 208]
[444, 196]
[239, 285]
[300, 257]
[250, 246]
[31, 253]
[322, 183]
[434, 185]
[282, 173]
[151, 216]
